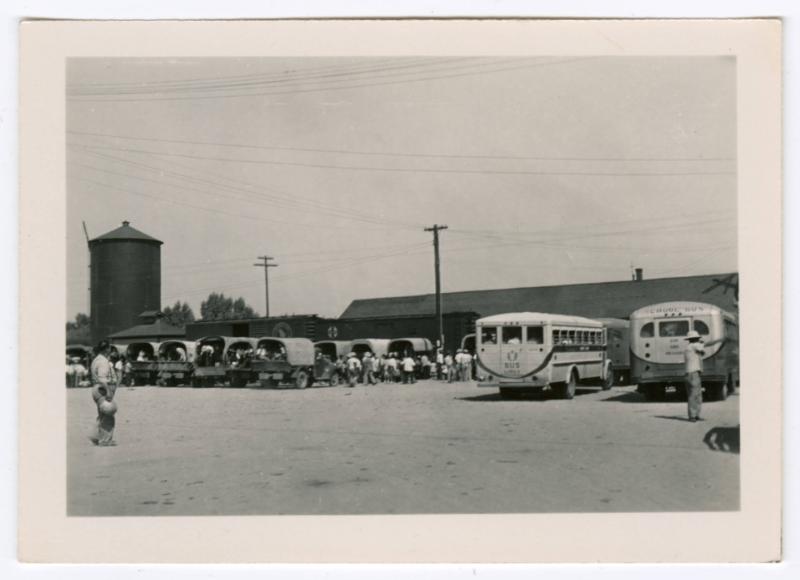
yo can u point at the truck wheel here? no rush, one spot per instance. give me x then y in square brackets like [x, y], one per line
[238, 381]
[334, 381]
[301, 379]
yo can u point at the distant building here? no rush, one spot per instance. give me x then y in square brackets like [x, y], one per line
[153, 328]
[594, 300]
[303, 325]
[125, 279]
[413, 316]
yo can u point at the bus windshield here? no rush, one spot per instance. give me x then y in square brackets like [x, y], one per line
[673, 328]
[512, 335]
[534, 335]
[489, 335]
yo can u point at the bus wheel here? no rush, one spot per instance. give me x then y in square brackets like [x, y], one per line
[301, 379]
[721, 391]
[609, 380]
[568, 389]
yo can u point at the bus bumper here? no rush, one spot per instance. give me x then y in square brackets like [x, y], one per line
[514, 385]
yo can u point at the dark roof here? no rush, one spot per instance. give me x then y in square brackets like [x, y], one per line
[158, 330]
[602, 299]
[258, 319]
[125, 232]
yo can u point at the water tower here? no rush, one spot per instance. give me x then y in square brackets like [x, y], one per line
[125, 279]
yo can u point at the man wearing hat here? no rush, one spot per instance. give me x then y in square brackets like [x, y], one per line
[103, 387]
[693, 358]
[353, 369]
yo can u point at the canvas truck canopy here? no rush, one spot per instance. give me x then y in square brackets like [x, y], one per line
[416, 345]
[333, 349]
[168, 346]
[295, 351]
[376, 346]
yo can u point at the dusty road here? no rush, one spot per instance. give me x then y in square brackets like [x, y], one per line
[424, 448]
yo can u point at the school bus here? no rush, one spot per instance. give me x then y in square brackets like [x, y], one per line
[658, 339]
[528, 351]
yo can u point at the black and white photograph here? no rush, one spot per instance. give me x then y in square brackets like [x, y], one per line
[410, 284]
[401, 285]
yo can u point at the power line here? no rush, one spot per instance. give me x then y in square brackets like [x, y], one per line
[207, 209]
[253, 76]
[394, 154]
[333, 88]
[417, 170]
[286, 202]
[318, 78]
[286, 199]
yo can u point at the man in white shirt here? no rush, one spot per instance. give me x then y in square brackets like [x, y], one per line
[693, 359]
[466, 366]
[408, 369]
[102, 390]
[353, 369]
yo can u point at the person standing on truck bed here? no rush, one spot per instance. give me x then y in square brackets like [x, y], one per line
[693, 359]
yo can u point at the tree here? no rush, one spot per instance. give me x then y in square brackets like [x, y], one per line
[179, 313]
[219, 307]
[79, 331]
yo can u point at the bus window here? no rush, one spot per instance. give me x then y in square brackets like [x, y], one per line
[512, 335]
[570, 337]
[647, 331]
[489, 335]
[673, 328]
[556, 337]
[535, 335]
[701, 327]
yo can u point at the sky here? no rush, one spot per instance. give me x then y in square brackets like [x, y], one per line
[546, 170]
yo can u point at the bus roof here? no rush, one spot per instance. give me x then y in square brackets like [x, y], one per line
[614, 322]
[538, 318]
[677, 308]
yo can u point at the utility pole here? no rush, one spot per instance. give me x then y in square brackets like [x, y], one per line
[266, 265]
[440, 331]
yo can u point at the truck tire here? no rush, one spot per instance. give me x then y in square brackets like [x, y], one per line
[301, 379]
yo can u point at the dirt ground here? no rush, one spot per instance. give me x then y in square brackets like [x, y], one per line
[389, 449]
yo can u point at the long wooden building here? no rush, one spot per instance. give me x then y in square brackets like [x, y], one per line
[409, 316]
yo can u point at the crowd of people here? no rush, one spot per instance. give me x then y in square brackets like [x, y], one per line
[407, 368]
